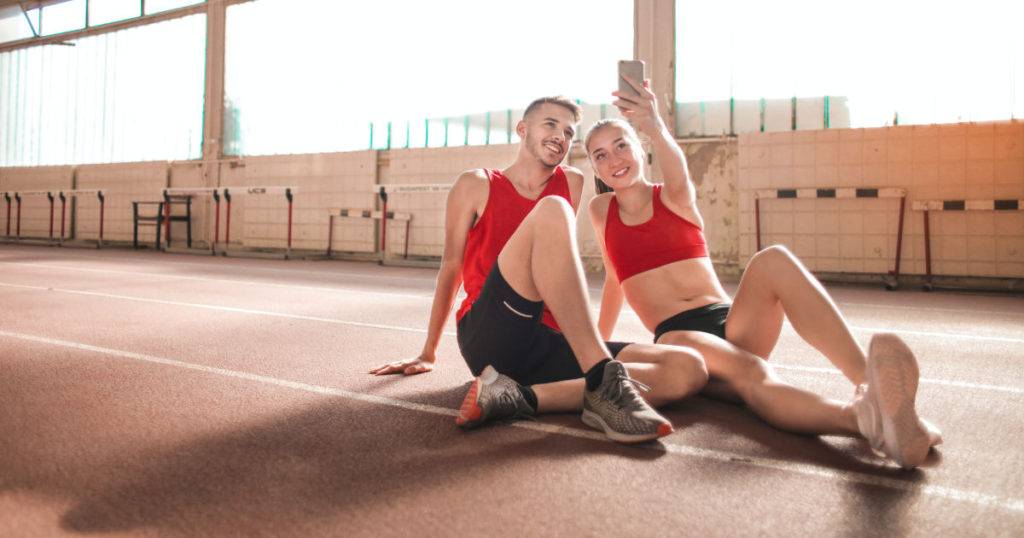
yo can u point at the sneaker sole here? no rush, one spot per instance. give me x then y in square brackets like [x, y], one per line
[470, 411]
[894, 373]
[595, 421]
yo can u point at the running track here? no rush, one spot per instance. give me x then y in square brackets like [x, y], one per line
[158, 394]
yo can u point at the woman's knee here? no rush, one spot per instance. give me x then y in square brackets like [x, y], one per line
[772, 255]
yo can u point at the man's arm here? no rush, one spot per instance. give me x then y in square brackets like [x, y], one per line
[465, 199]
[611, 292]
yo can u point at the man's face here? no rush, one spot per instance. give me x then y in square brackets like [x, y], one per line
[547, 133]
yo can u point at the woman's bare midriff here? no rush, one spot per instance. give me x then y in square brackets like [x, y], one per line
[665, 291]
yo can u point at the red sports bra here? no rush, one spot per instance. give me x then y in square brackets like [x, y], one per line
[664, 238]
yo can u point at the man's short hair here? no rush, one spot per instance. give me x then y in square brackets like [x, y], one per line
[559, 100]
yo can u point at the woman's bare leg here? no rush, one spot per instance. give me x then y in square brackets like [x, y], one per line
[776, 284]
[755, 382]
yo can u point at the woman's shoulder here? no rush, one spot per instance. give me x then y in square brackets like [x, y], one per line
[599, 204]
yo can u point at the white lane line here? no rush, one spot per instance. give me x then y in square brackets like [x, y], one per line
[954, 336]
[235, 310]
[224, 308]
[626, 310]
[953, 494]
[171, 262]
[223, 280]
[959, 311]
[379, 277]
[926, 380]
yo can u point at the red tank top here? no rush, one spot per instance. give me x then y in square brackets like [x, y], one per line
[505, 210]
[664, 238]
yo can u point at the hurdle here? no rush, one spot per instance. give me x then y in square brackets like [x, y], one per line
[927, 206]
[289, 194]
[367, 214]
[408, 188]
[892, 279]
[17, 200]
[64, 195]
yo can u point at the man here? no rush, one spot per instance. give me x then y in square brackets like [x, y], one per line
[510, 238]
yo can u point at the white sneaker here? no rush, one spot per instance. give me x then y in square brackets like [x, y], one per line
[884, 406]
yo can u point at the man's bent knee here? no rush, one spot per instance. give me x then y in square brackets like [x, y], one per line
[554, 208]
[686, 368]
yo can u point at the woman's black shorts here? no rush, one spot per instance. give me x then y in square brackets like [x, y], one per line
[504, 330]
[706, 319]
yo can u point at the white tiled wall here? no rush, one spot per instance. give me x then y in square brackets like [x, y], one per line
[972, 161]
[933, 162]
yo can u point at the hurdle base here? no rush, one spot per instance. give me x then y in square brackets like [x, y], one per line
[195, 250]
[33, 241]
[923, 282]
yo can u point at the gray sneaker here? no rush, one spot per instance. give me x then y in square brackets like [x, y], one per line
[492, 396]
[618, 409]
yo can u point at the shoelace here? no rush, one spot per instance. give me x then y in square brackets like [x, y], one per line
[632, 399]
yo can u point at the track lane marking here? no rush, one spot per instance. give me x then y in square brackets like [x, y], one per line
[425, 297]
[236, 310]
[231, 309]
[432, 280]
[949, 493]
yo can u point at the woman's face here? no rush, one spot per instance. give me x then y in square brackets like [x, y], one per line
[616, 156]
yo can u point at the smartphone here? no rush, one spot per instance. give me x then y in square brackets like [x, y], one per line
[634, 69]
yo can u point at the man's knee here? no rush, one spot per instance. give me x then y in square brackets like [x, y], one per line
[553, 209]
[686, 368]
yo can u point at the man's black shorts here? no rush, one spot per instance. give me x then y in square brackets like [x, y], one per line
[504, 330]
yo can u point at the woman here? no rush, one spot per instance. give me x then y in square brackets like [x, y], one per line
[656, 257]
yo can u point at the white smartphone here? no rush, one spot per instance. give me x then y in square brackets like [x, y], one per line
[634, 69]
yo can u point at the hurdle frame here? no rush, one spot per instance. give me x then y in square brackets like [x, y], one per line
[65, 195]
[212, 192]
[289, 194]
[17, 226]
[383, 191]
[927, 206]
[893, 276]
[377, 216]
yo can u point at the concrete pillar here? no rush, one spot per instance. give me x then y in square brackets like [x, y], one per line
[654, 42]
[213, 106]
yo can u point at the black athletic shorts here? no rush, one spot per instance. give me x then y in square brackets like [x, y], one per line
[504, 330]
[706, 319]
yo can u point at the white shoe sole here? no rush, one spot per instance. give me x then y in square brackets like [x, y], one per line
[595, 421]
[893, 377]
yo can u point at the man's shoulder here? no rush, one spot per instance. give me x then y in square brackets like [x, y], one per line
[471, 180]
[573, 175]
[470, 187]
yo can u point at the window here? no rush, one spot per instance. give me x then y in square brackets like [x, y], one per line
[331, 76]
[746, 65]
[131, 95]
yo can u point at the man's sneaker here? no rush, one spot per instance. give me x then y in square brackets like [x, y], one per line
[492, 396]
[884, 406]
[618, 409]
